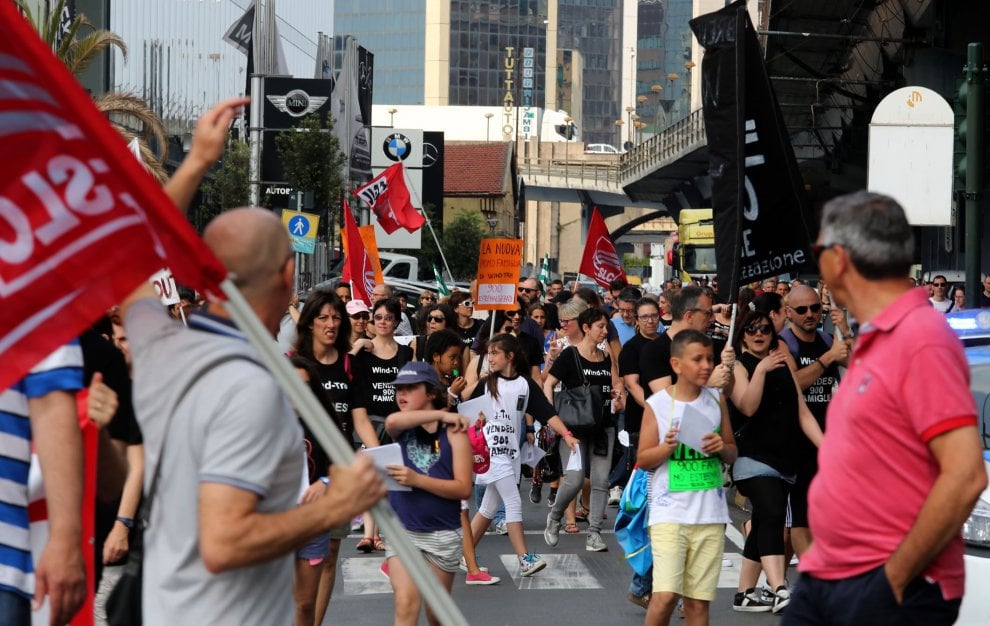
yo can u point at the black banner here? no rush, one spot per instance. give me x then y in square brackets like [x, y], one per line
[760, 212]
[366, 82]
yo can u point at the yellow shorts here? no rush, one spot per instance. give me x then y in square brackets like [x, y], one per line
[687, 558]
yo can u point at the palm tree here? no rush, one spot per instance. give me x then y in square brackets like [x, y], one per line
[78, 46]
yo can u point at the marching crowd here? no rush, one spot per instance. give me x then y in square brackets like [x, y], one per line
[249, 512]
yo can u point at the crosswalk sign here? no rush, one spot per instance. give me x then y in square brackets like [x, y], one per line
[302, 229]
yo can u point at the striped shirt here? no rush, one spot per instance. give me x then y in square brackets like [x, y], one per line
[60, 371]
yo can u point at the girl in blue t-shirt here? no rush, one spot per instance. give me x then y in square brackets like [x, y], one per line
[437, 462]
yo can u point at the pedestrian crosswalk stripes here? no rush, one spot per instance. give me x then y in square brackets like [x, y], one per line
[362, 575]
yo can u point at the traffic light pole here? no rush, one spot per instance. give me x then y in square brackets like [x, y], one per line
[974, 82]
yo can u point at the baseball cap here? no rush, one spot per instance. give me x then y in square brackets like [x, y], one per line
[357, 306]
[417, 372]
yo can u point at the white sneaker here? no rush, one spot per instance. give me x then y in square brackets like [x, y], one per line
[501, 528]
[781, 598]
[464, 567]
[551, 534]
[594, 543]
[614, 495]
[530, 563]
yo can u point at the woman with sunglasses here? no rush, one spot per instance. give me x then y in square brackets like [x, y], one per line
[374, 394]
[426, 298]
[467, 326]
[770, 419]
[360, 317]
[429, 320]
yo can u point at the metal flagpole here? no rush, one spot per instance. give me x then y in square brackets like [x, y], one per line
[339, 450]
[419, 201]
[257, 106]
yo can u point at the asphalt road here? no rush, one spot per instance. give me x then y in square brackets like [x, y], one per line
[577, 587]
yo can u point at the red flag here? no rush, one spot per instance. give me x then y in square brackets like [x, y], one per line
[81, 221]
[388, 196]
[358, 268]
[600, 261]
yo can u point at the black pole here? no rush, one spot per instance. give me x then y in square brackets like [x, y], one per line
[974, 170]
[740, 95]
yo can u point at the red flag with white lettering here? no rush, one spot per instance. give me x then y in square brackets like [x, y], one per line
[358, 268]
[600, 261]
[81, 221]
[388, 196]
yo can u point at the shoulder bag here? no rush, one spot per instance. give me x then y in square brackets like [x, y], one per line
[577, 406]
[123, 605]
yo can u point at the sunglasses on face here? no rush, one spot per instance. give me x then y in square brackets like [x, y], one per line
[427, 299]
[525, 289]
[761, 329]
[361, 316]
[513, 314]
[436, 318]
[384, 318]
[801, 310]
[468, 304]
[939, 284]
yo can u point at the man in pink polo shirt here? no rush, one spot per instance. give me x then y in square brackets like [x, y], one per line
[900, 467]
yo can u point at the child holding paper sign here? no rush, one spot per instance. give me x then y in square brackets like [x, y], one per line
[688, 511]
[437, 466]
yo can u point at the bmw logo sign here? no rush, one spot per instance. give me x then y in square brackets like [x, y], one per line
[397, 147]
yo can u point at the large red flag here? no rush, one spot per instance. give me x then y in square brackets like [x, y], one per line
[358, 266]
[81, 221]
[600, 261]
[388, 196]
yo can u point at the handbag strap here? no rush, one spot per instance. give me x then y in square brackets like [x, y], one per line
[144, 514]
[580, 368]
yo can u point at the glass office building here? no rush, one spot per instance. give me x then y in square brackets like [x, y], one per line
[481, 32]
[395, 31]
[594, 29]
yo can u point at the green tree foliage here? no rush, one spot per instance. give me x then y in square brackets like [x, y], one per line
[462, 243]
[227, 185]
[312, 161]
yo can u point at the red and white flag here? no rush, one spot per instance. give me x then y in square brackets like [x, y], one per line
[81, 221]
[388, 196]
[359, 269]
[600, 262]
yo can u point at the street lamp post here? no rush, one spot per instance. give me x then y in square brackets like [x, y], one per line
[488, 132]
[629, 114]
[391, 117]
[618, 126]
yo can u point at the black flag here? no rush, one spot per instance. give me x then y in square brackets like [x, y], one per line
[760, 213]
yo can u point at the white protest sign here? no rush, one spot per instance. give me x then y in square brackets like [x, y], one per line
[165, 287]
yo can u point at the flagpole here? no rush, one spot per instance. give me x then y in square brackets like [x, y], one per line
[740, 112]
[426, 216]
[339, 450]
[255, 121]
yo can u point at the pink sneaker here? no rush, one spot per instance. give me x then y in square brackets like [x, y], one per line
[482, 578]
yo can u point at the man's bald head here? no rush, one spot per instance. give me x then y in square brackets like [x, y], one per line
[800, 302]
[253, 245]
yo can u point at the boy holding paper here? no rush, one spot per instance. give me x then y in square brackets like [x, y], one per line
[684, 438]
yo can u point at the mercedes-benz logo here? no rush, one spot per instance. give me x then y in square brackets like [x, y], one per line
[430, 154]
[297, 103]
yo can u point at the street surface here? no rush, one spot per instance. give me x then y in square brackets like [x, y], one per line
[577, 587]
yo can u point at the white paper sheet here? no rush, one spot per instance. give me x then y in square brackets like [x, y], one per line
[530, 454]
[386, 455]
[694, 425]
[574, 462]
[471, 408]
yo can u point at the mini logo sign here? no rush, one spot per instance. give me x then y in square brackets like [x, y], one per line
[297, 103]
[397, 147]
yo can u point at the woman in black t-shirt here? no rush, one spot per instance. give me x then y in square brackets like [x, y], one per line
[596, 444]
[374, 394]
[769, 416]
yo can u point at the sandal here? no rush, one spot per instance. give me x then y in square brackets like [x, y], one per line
[365, 546]
[571, 528]
[581, 514]
[379, 545]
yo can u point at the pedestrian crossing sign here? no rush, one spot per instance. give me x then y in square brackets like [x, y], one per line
[302, 228]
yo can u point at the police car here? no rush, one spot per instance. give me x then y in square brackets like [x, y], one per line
[973, 328]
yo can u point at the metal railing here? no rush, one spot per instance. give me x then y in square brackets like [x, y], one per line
[570, 169]
[674, 142]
